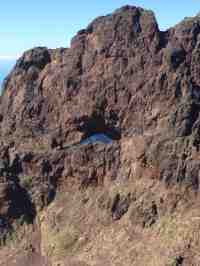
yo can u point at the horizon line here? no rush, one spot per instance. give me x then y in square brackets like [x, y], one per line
[9, 57]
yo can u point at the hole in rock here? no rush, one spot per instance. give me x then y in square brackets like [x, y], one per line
[96, 129]
[97, 138]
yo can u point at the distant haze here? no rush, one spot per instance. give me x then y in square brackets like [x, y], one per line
[6, 66]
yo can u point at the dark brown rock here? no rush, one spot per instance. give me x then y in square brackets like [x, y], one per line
[139, 86]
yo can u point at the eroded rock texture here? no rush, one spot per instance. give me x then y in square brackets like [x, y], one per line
[133, 201]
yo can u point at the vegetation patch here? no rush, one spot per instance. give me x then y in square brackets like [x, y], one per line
[26, 181]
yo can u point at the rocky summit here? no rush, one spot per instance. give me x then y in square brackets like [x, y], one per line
[100, 148]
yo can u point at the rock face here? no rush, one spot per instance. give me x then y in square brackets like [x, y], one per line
[132, 200]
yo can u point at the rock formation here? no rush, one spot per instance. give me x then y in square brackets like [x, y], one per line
[132, 201]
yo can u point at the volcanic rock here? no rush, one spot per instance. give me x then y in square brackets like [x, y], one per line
[133, 200]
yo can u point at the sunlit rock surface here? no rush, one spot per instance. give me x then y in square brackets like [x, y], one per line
[99, 154]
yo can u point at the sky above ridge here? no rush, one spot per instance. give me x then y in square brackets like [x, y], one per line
[26, 24]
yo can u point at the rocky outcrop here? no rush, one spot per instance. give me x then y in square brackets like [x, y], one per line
[136, 195]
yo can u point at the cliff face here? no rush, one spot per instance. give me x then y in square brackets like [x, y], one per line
[130, 201]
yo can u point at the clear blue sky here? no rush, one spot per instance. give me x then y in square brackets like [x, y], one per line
[28, 23]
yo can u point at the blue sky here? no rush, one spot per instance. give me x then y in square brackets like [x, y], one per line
[25, 24]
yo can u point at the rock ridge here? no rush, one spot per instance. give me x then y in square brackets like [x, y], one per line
[63, 197]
